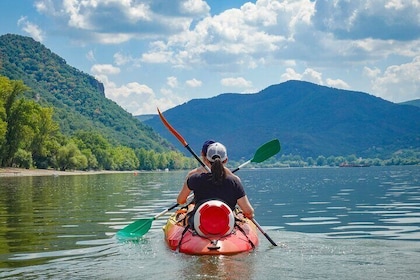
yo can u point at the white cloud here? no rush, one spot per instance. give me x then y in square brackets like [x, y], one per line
[116, 21]
[32, 29]
[337, 83]
[290, 74]
[91, 56]
[371, 72]
[156, 57]
[313, 76]
[247, 37]
[105, 69]
[121, 59]
[309, 75]
[238, 82]
[193, 83]
[378, 19]
[134, 97]
[108, 38]
[158, 53]
[389, 84]
[198, 7]
[172, 82]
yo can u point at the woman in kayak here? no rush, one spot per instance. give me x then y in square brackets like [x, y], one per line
[219, 184]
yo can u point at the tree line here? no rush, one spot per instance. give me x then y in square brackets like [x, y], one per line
[400, 157]
[30, 138]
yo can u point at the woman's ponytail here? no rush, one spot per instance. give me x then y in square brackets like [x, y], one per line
[217, 155]
[218, 171]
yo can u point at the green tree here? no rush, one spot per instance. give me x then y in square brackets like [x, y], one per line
[163, 161]
[70, 157]
[310, 161]
[5, 88]
[124, 158]
[16, 113]
[25, 125]
[96, 148]
[45, 141]
[22, 159]
[320, 161]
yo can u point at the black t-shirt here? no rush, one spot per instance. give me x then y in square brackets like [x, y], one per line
[229, 191]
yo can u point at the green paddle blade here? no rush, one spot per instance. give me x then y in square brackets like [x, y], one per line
[266, 151]
[136, 229]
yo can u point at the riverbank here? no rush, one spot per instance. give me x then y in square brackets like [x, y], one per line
[18, 172]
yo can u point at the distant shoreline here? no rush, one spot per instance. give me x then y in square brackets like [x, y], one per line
[21, 172]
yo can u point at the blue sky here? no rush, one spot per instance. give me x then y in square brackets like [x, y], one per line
[162, 53]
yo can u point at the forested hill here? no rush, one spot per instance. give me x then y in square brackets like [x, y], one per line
[78, 99]
[308, 119]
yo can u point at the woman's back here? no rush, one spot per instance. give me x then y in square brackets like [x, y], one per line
[229, 190]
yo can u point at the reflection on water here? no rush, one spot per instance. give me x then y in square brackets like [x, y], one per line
[217, 267]
[358, 223]
[45, 217]
[341, 202]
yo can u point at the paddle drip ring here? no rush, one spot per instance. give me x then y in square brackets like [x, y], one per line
[214, 218]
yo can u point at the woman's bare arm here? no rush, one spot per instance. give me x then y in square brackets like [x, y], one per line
[246, 207]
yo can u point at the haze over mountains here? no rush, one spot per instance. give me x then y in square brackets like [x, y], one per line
[308, 119]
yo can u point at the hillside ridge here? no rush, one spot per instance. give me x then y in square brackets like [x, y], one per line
[78, 98]
[309, 120]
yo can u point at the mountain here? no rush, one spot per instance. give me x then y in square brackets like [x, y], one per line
[145, 117]
[308, 119]
[415, 102]
[78, 99]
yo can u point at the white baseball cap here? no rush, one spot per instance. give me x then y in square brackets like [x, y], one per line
[216, 150]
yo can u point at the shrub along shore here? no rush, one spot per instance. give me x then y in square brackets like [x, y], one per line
[20, 172]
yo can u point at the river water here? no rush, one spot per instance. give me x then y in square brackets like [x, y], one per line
[330, 223]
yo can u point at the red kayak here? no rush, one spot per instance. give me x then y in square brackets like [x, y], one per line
[216, 230]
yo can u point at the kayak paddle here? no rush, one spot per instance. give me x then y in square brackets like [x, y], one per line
[263, 232]
[181, 139]
[264, 152]
[140, 227]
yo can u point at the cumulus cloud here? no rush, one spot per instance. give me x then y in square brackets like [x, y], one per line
[32, 29]
[137, 98]
[378, 19]
[371, 72]
[290, 74]
[105, 69]
[194, 7]
[337, 83]
[158, 53]
[234, 38]
[388, 84]
[193, 83]
[238, 82]
[121, 59]
[313, 76]
[172, 82]
[116, 21]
